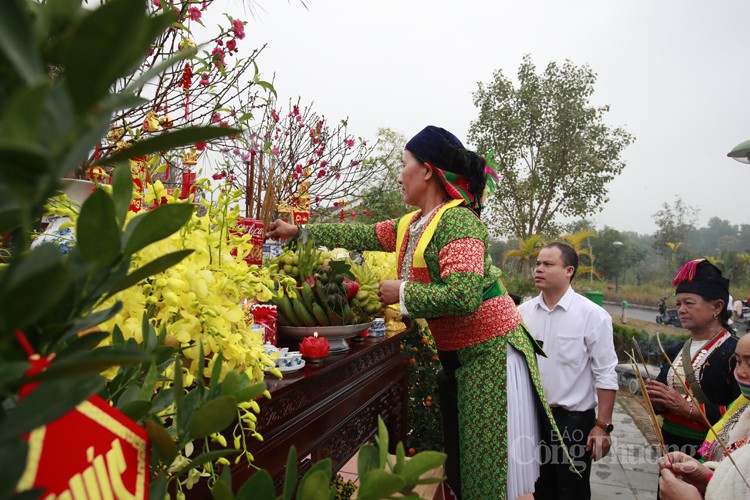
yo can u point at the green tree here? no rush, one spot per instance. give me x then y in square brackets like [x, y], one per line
[741, 264]
[526, 253]
[553, 152]
[718, 236]
[676, 222]
[608, 257]
[381, 196]
[744, 237]
[581, 243]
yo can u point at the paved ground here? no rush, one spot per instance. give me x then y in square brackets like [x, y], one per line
[629, 471]
[631, 312]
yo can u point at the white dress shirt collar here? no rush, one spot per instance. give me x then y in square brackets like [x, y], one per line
[563, 303]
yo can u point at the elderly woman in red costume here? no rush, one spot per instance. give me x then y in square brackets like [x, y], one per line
[489, 386]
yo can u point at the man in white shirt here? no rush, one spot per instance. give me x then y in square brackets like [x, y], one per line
[579, 370]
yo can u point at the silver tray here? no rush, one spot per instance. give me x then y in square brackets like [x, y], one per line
[329, 332]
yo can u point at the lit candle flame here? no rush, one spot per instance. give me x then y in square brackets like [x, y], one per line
[315, 334]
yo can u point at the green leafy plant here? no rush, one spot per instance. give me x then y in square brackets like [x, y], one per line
[624, 337]
[59, 62]
[380, 476]
[176, 417]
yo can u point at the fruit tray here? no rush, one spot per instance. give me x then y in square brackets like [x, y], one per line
[329, 332]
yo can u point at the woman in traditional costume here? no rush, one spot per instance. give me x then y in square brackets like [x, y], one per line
[705, 361]
[489, 386]
[717, 476]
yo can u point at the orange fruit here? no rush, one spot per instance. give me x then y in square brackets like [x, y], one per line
[412, 451]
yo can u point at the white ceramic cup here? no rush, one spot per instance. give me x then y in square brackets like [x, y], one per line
[271, 350]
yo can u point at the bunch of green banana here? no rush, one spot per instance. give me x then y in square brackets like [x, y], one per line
[366, 302]
[331, 292]
[291, 309]
[361, 273]
[323, 304]
[367, 299]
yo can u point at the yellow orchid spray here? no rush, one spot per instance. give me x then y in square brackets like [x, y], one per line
[202, 299]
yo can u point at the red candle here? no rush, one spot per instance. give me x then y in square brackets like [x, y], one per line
[314, 348]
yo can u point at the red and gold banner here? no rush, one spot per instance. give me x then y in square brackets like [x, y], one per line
[139, 171]
[93, 452]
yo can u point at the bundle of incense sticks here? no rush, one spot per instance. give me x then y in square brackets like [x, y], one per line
[269, 202]
[649, 406]
[637, 347]
[701, 412]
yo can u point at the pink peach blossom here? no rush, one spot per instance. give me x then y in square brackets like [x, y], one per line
[239, 28]
[217, 56]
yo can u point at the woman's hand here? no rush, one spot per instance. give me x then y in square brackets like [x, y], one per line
[389, 292]
[279, 229]
[686, 468]
[667, 398]
[673, 488]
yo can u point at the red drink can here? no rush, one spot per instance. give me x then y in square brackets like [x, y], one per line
[254, 227]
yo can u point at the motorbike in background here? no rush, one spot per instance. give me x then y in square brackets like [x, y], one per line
[667, 316]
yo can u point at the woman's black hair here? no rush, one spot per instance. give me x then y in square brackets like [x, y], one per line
[724, 315]
[477, 180]
[442, 149]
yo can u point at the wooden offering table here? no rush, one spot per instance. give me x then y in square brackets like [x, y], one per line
[330, 410]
